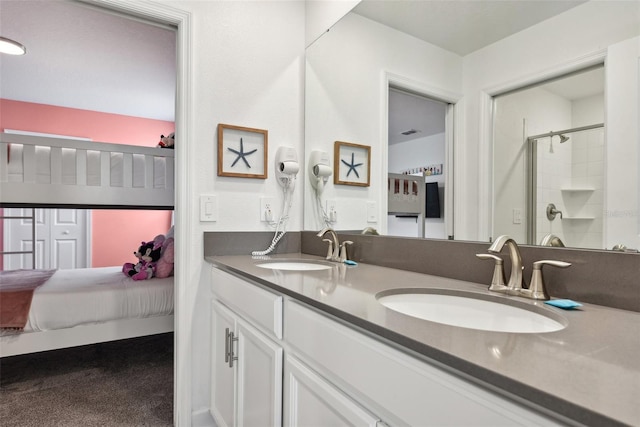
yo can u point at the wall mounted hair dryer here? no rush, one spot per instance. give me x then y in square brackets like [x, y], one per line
[319, 170]
[287, 166]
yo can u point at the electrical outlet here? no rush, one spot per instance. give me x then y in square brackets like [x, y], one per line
[332, 212]
[266, 209]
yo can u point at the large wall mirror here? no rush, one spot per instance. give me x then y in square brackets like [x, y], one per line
[528, 129]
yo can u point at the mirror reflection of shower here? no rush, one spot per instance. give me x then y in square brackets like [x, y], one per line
[558, 114]
[565, 186]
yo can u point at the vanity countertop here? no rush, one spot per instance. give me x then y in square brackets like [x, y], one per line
[588, 371]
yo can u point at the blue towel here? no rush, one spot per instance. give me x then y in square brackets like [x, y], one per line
[567, 304]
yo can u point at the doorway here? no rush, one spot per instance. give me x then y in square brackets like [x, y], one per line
[417, 149]
[180, 20]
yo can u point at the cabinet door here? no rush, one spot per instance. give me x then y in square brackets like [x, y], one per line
[259, 379]
[312, 401]
[222, 376]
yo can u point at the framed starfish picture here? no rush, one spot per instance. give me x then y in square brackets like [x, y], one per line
[242, 152]
[352, 163]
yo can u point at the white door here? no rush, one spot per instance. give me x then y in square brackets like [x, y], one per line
[222, 374]
[245, 391]
[62, 238]
[259, 381]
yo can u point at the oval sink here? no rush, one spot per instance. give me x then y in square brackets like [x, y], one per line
[295, 265]
[471, 310]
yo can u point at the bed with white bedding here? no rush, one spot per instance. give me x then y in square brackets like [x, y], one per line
[85, 306]
[46, 171]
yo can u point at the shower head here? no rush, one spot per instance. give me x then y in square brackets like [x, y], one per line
[563, 138]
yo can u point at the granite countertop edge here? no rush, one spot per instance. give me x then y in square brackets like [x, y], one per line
[510, 384]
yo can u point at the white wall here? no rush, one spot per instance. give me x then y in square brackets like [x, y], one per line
[622, 218]
[345, 82]
[247, 70]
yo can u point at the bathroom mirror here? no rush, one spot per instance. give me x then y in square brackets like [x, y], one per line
[376, 46]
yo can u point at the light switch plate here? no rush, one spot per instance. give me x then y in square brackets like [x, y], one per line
[208, 208]
[517, 216]
[372, 212]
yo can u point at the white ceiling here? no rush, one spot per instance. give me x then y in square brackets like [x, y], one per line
[462, 26]
[82, 57]
[408, 111]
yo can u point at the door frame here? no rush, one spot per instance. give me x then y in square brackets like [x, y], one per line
[188, 257]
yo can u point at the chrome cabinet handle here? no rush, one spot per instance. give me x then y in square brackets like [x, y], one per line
[232, 357]
[226, 345]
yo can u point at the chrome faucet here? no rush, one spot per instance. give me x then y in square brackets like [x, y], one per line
[551, 240]
[515, 278]
[332, 255]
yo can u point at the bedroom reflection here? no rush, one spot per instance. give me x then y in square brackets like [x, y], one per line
[416, 159]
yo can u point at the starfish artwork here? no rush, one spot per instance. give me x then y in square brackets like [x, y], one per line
[241, 154]
[352, 166]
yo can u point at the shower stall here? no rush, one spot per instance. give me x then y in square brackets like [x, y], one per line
[565, 187]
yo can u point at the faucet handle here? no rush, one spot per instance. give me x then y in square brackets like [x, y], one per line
[343, 250]
[330, 250]
[537, 289]
[497, 281]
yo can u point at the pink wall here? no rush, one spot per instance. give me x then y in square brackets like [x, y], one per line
[116, 234]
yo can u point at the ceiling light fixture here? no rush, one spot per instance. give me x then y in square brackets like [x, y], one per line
[11, 47]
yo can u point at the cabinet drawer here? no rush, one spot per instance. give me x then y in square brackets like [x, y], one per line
[309, 400]
[260, 307]
[403, 390]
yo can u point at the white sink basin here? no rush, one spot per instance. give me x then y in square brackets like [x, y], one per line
[470, 310]
[295, 265]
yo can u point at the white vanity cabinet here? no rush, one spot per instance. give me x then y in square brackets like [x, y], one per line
[400, 389]
[246, 355]
[277, 361]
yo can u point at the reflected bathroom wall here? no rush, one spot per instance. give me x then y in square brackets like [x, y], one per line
[569, 168]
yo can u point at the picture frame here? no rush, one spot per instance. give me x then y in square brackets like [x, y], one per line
[352, 163]
[242, 152]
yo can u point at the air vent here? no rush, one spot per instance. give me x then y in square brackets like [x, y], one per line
[410, 132]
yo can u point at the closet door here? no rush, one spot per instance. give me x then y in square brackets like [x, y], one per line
[68, 238]
[62, 238]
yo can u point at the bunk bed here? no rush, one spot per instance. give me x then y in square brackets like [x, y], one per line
[57, 172]
[85, 306]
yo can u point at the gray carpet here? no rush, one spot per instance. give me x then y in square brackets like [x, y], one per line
[121, 383]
